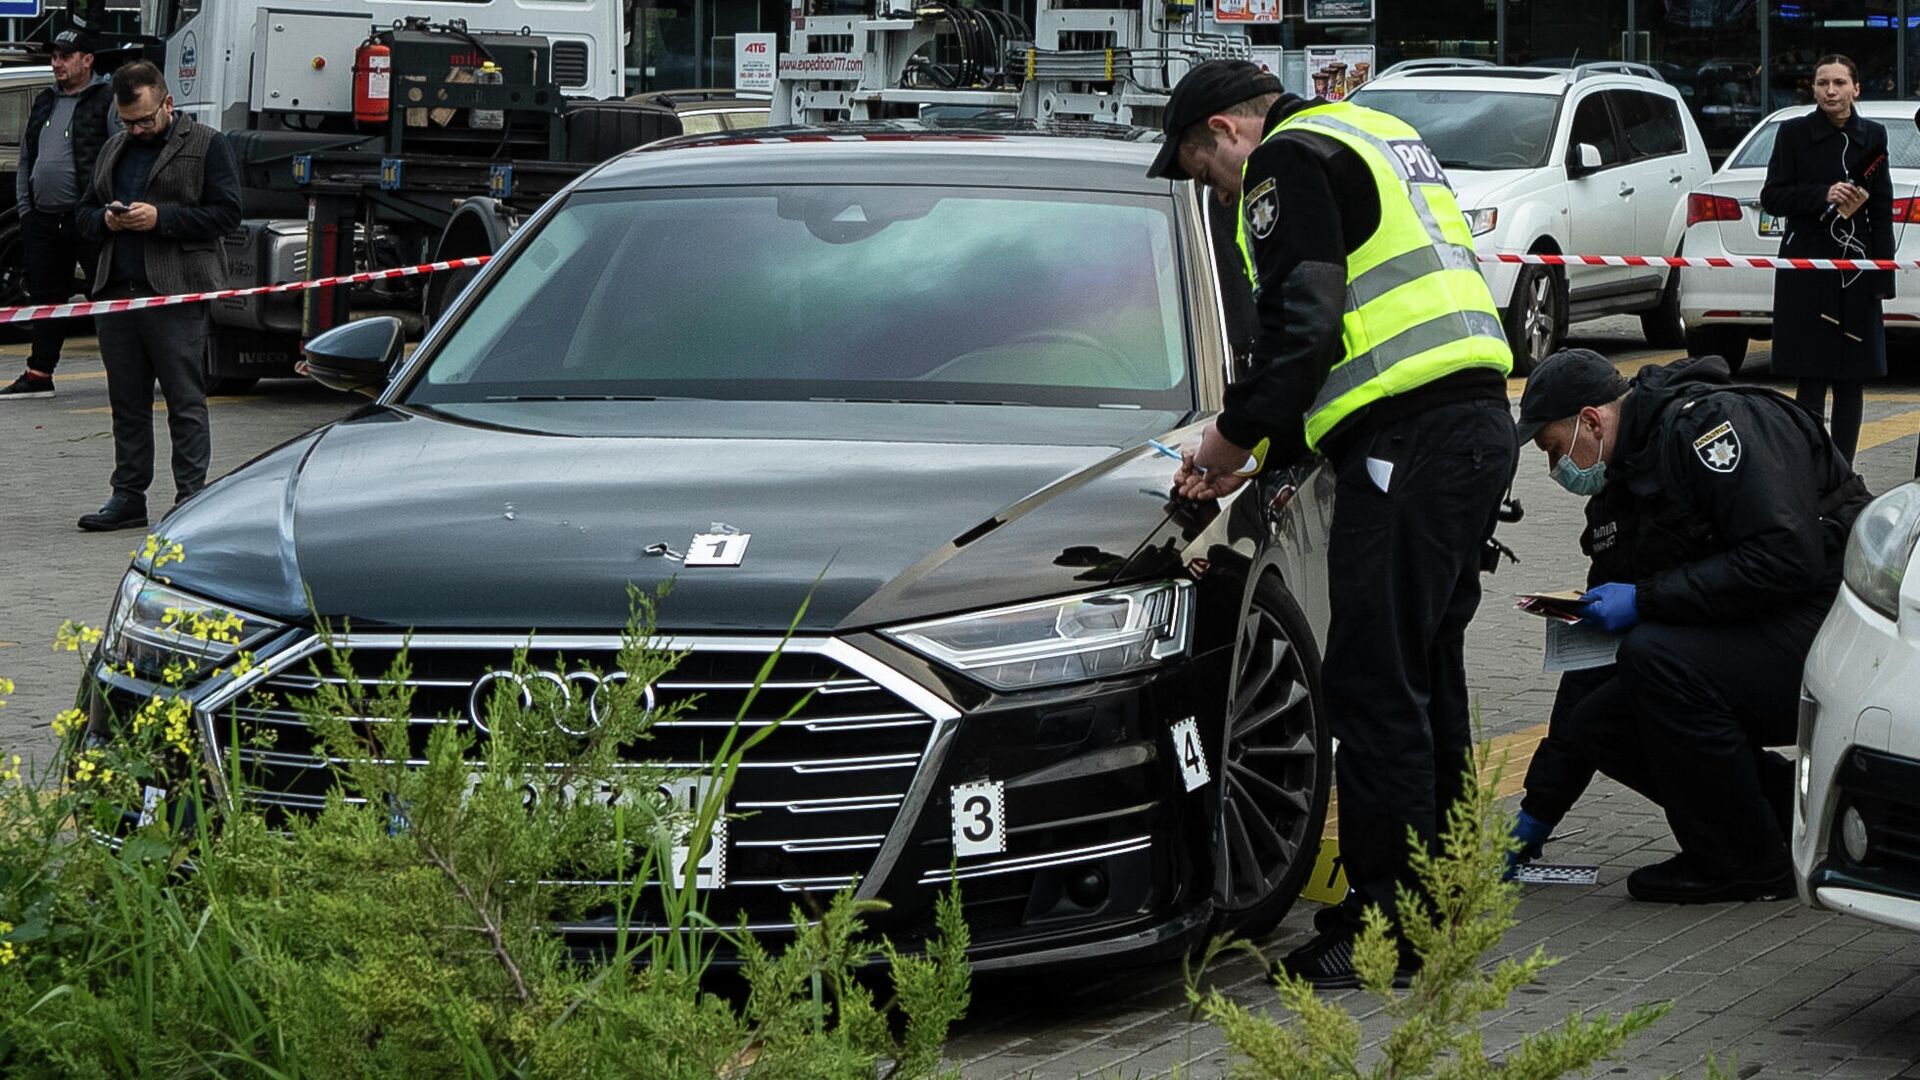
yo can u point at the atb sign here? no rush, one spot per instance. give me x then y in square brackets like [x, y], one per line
[753, 62]
[19, 9]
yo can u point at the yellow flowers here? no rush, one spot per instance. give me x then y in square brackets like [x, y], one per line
[86, 766]
[9, 775]
[68, 721]
[9, 952]
[159, 551]
[209, 625]
[6, 688]
[172, 715]
[73, 636]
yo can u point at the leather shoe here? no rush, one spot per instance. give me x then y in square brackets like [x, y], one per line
[1680, 880]
[119, 513]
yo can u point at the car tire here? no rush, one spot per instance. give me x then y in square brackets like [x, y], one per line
[1727, 342]
[1662, 326]
[1276, 767]
[1534, 317]
[13, 275]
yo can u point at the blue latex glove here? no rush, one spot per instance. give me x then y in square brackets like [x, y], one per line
[1614, 605]
[1532, 834]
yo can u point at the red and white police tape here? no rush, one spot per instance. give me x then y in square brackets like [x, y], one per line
[28, 313]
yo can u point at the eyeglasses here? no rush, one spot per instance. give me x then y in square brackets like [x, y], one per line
[144, 123]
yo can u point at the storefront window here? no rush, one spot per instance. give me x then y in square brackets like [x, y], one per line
[1434, 28]
[1801, 31]
[1710, 51]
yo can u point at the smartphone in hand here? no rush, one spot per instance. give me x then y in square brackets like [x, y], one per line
[119, 208]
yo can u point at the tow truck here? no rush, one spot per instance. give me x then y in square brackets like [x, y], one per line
[380, 133]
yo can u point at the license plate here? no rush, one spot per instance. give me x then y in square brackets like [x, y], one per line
[1770, 225]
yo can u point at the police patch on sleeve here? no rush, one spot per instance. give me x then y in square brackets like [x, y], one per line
[1263, 209]
[1719, 449]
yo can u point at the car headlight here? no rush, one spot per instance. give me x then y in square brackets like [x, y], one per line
[1483, 221]
[1091, 636]
[154, 627]
[1880, 546]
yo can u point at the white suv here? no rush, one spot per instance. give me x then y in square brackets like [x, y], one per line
[1596, 160]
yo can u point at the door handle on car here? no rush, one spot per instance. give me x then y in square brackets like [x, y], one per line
[1676, 178]
[1625, 191]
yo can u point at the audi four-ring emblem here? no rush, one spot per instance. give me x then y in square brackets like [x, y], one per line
[565, 686]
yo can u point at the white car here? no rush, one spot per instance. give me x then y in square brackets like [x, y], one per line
[1595, 160]
[1856, 823]
[1724, 309]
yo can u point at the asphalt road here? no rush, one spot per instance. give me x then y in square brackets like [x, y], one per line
[1794, 992]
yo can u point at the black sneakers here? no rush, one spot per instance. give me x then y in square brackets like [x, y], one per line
[119, 513]
[28, 386]
[1680, 880]
[1327, 963]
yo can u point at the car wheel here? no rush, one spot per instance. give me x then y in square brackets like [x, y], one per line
[1662, 326]
[13, 274]
[1534, 317]
[1727, 342]
[1276, 768]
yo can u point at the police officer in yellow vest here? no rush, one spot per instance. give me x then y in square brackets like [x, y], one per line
[1378, 346]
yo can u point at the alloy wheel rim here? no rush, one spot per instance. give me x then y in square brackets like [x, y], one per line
[1267, 786]
[1539, 320]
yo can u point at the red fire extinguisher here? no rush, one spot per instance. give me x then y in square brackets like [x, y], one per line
[372, 83]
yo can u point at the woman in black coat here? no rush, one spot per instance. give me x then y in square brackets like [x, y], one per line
[1829, 178]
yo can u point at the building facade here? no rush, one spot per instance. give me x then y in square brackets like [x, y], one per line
[1733, 60]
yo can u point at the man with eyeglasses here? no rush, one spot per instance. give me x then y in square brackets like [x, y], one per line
[164, 192]
[66, 128]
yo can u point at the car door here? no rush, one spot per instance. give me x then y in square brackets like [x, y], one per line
[1599, 200]
[15, 103]
[1656, 168]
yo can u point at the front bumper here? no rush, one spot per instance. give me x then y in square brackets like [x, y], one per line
[1104, 852]
[1860, 751]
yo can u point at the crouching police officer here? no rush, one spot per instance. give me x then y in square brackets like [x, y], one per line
[1725, 511]
[1380, 346]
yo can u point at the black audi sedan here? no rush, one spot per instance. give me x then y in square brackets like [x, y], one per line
[907, 377]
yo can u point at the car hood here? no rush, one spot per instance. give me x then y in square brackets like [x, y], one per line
[514, 518]
[1477, 188]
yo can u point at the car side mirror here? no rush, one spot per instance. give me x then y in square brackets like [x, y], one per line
[1586, 159]
[358, 357]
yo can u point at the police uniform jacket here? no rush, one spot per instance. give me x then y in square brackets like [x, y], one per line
[1325, 205]
[1723, 503]
[1827, 323]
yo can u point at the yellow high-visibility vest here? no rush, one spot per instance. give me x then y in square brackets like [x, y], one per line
[1417, 307]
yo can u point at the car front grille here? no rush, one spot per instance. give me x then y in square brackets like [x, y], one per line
[816, 802]
[1885, 790]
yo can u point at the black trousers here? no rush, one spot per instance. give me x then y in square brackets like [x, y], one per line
[1685, 718]
[1414, 504]
[52, 247]
[165, 345]
[1560, 771]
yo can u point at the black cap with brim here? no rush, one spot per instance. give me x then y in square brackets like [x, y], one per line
[1212, 87]
[1565, 383]
[73, 41]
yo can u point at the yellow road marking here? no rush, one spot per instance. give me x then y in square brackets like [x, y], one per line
[1881, 432]
[159, 406]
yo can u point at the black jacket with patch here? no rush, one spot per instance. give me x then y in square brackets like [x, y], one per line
[1323, 207]
[1730, 502]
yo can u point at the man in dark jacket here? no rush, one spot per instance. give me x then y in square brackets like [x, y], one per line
[1723, 510]
[164, 192]
[66, 127]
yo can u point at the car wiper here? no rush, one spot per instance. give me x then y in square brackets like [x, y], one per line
[915, 401]
[1447, 163]
[582, 397]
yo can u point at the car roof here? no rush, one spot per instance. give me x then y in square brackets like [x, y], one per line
[1522, 80]
[1886, 111]
[975, 152]
[11, 74]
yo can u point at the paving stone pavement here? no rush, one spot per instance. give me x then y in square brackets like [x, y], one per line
[1783, 990]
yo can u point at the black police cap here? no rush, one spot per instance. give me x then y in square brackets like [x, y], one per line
[1211, 87]
[1565, 383]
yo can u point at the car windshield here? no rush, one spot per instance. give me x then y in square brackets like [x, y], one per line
[832, 292]
[1903, 145]
[1472, 129]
